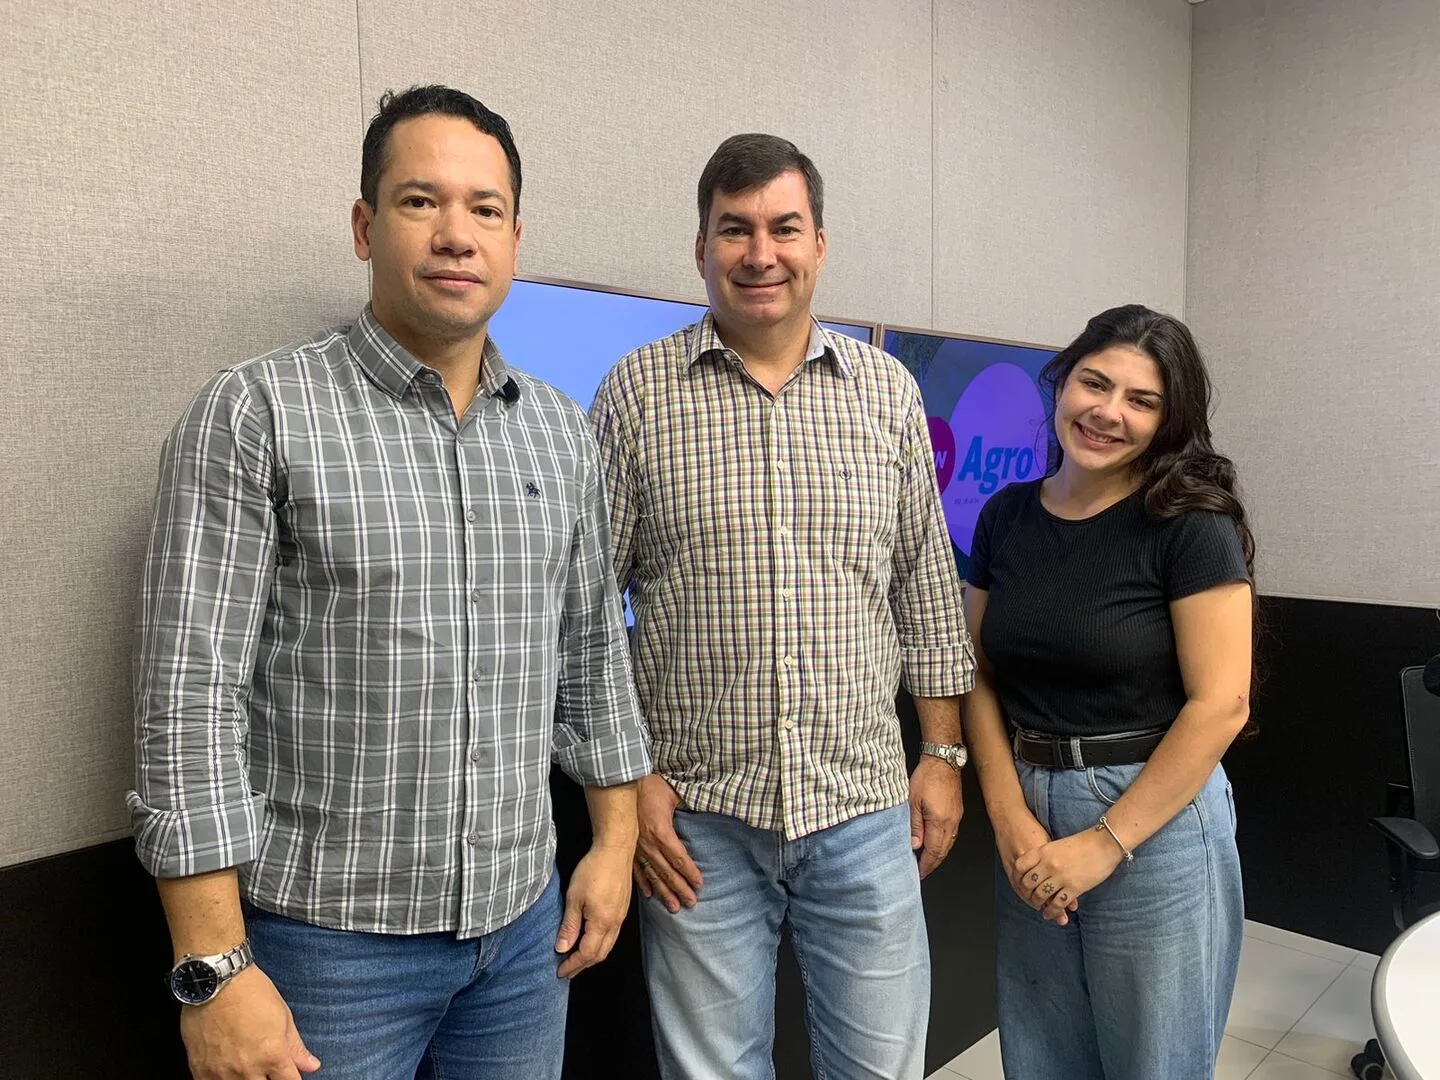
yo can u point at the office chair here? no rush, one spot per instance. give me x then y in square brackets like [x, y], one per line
[1414, 823]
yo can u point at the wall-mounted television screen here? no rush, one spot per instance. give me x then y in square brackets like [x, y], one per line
[570, 335]
[987, 418]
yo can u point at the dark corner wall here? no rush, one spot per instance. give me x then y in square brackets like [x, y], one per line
[1331, 738]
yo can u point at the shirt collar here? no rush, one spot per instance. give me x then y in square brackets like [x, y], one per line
[392, 366]
[705, 343]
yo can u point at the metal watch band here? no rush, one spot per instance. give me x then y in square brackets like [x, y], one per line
[953, 754]
[229, 964]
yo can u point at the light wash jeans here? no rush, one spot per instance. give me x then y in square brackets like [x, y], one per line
[1138, 985]
[850, 895]
[410, 1007]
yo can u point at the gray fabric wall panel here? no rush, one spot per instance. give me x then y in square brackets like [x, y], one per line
[1061, 134]
[616, 110]
[1314, 253]
[174, 188]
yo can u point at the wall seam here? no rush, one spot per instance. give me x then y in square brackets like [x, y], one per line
[360, 69]
[1189, 174]
[934, 37]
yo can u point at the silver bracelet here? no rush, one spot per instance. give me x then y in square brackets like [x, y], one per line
[1104, 825]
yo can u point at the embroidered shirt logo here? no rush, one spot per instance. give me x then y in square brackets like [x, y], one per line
[531, 489]
[844, 472]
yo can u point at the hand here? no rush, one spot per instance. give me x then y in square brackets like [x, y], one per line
[597, 900]
[245, 1032]
[936, 807]
[663, 868]
[1055, 875]
[1015, 834]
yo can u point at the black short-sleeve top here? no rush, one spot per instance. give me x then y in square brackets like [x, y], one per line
[1077, 626]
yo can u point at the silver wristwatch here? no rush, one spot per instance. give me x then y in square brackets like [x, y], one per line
[197, 979]
[953, 754]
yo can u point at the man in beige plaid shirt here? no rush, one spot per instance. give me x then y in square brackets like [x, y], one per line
[777, 525]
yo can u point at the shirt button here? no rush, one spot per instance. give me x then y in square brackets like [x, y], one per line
[470, 515]
[788, 725]
[475, 754]
[473, 839]
[474, 596]
[784, 530]
[786, 594]
[779, 463]
[789, 661]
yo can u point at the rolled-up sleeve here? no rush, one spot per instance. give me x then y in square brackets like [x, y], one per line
[937, 659]
[205, 585]
[600, 738]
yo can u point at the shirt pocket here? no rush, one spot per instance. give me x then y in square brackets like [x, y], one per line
[860, 504]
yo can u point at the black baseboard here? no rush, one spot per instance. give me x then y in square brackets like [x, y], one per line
[83, 952]
[1331, 736]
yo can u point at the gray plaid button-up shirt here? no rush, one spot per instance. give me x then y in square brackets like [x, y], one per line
[360, 621]
[787, 562]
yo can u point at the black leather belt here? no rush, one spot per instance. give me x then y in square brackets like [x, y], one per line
[1059, 752]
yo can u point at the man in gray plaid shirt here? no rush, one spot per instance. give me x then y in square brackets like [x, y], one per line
[378, 598]
[777, 523]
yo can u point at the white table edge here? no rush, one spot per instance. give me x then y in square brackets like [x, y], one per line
[1395, 1056]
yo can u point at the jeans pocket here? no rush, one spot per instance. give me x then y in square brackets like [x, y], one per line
[1230, 801]
[1094, 785]
[1108, 782]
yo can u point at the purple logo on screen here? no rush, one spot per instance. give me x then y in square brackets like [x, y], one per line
[996, 433]
[943, 443]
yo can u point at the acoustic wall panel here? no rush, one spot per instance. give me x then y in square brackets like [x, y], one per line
[1314, 256]
[1060, 162]
[175, 182]
[617, 110]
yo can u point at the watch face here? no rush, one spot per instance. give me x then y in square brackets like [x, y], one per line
[194, 982]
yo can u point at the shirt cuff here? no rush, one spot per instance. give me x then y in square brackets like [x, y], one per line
[616, 758]
[939, 672]
[179, 843]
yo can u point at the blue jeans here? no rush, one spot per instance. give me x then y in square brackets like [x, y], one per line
[393, 1006]
[850, 895]
[1138, 985]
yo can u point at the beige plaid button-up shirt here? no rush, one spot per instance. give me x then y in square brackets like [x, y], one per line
[787, 562]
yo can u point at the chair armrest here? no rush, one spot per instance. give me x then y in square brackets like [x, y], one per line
[1408, 835]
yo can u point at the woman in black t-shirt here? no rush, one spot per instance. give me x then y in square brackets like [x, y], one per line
[1112, 610]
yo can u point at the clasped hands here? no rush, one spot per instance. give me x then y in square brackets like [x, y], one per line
[1052, 875]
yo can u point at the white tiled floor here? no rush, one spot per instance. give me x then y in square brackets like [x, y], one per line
[1301, 1012]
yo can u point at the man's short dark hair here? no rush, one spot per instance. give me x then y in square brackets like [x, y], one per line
[422, 101]
[743, 162]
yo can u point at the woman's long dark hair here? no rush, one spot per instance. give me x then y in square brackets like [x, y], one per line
[1180, 469]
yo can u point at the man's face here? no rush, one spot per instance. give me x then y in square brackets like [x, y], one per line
[760, 254]
[442, 239]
